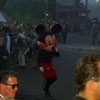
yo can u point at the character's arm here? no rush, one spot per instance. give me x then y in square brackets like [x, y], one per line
[45, 46]
[41, 44]
[56, 51]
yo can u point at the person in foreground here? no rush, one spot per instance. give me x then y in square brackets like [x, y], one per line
[8, 83]
[87, 77]
[7, 98]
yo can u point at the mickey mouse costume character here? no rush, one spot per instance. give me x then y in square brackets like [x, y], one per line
[55, 29]
[48, 50]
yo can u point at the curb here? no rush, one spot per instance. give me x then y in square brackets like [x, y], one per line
[82, 47]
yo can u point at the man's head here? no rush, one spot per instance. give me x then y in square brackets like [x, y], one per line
[8, 83]
[87, 74]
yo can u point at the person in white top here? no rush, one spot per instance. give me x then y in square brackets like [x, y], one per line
[8, 43]
[7, 32]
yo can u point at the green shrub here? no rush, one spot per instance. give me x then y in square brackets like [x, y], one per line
[28, 18]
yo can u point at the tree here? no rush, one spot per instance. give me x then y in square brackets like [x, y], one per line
[2, 3]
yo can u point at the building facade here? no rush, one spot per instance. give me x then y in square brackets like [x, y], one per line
[74, 9]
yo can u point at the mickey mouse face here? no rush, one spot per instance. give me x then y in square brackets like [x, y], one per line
[49, 40]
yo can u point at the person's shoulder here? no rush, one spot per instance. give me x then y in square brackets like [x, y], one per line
[78, 98]
[7, 98]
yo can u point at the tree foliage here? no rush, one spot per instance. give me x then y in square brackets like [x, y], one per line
[33, 8]
[2, 3]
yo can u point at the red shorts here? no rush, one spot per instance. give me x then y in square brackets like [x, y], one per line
[49, 71]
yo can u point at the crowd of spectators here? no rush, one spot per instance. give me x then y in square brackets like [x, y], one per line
[17, 43]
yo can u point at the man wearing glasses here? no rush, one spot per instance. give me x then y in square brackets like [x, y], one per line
[87, 77]
[8, 83]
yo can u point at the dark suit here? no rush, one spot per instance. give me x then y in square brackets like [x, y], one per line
[78, 98]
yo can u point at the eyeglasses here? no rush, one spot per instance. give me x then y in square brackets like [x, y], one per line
[12, 85]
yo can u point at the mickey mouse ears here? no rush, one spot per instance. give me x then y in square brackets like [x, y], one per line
[56, 28]
[40, 29]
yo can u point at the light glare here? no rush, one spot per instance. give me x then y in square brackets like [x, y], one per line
[97, 0]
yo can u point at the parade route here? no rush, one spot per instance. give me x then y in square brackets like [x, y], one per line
[30, 79]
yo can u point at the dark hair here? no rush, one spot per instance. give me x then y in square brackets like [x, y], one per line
[5, 74]
[86, 68]
[6, 29]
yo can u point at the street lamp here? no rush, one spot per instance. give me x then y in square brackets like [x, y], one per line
[86, 4]
[46, 1]
[46, 12]
[86, 8]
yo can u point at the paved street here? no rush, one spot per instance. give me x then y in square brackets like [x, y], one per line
[30, 80]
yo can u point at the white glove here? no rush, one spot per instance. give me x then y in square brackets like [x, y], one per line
[41, 69]
[56, 49]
